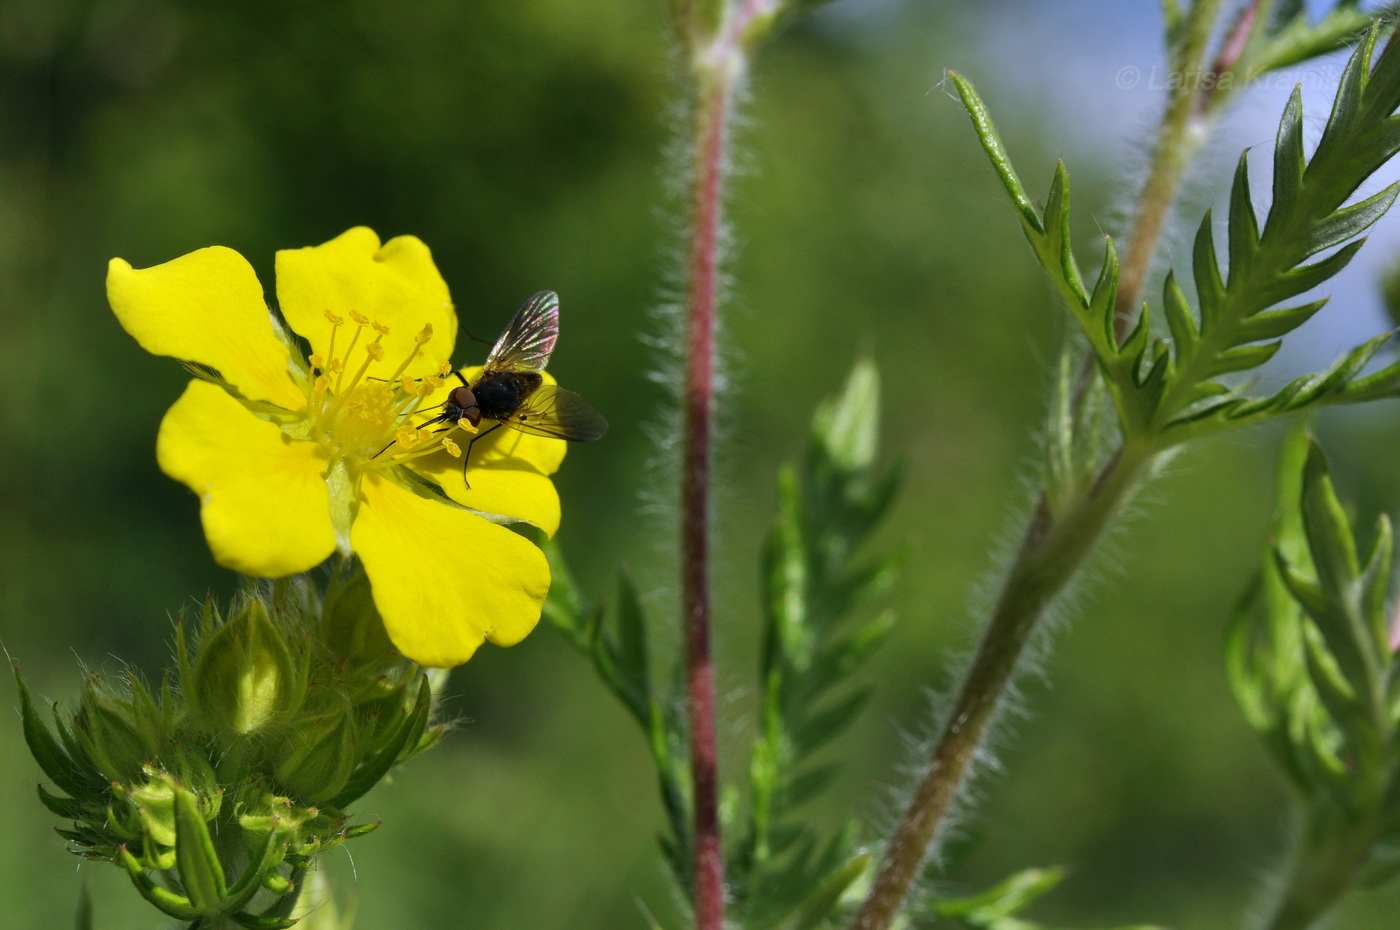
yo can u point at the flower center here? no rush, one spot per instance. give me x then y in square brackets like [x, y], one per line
[360, 410]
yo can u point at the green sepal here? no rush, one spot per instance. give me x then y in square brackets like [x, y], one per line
[261, 873]
[373, 768]
[168, 902]
[52, 759]
[255, 922]
[67, 808]
[196, 860]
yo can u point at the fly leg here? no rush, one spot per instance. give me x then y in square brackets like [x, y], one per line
[466, 457]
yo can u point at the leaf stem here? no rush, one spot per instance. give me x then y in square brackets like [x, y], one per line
[1050, 554]
[1178, 140]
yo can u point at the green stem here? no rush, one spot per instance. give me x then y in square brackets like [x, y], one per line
[1180, 137]
[1317, 880]
[1050, 555]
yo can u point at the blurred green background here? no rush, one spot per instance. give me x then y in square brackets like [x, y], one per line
[523, 141]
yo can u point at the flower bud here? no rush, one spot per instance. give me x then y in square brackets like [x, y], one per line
[243, 676]
[317, 758]
[118, 745]
[350, 623]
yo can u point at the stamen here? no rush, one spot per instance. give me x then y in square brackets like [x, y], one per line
[359, 318]
[406, 436]
[445, 369]
[375, 350]
[317, 362]
[452, 448]
[335, 320]
[380, 328]
[339, 381]
[321, 383]
[421, 338]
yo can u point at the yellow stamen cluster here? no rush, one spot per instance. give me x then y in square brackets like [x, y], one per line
[364, 417]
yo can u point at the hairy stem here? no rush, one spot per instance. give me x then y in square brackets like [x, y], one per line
[1317, 881]
[717, 71]
[1051, 552]
[1182, 132]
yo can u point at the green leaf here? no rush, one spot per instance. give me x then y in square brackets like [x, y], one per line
[823, 900]
[847, 425]
[1002, 900]
[620, 649]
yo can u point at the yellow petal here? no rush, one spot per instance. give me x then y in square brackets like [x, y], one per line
[504, 447]
[206, 307]
[263, 498]
[396, 285]
[444, 579]
[522, 493]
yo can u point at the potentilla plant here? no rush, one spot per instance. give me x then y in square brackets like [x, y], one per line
[1143, 376]
[372, 455]
[216, 790]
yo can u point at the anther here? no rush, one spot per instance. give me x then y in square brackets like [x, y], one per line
[375, 350]
[445, 369]
[425, 335]
[359, 317]
[322, 382]
[335, 320]
[317, 362]
[381, 328]
[405, 436]
[452, 448]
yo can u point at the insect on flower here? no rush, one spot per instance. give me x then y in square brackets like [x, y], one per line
[511, 391]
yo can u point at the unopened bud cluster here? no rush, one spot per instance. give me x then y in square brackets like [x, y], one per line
[216, 791]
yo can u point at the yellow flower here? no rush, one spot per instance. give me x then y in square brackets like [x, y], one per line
[294, 458]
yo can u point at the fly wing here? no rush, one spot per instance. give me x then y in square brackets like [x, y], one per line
[527, 341]
[557, 413]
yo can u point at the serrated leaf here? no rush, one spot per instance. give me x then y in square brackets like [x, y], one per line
[1242, 358]
[1244, 224]
[822, 901]
[1002, 900]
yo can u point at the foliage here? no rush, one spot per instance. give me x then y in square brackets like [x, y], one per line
[784, 874]
[1168, 390]
[998, 907]
[1312, 662]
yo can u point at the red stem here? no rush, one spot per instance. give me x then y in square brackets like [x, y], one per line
[712, 118]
